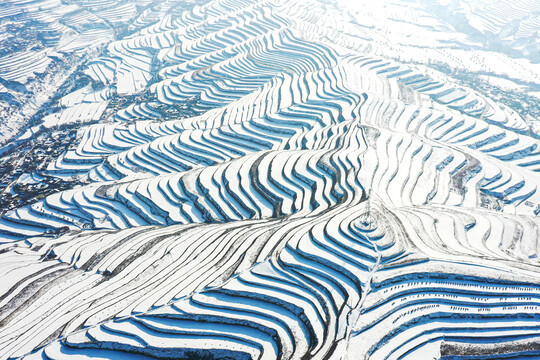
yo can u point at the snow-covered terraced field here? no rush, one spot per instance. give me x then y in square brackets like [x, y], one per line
[254, 185]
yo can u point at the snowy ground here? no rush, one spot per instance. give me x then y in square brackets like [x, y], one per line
[277, 180]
